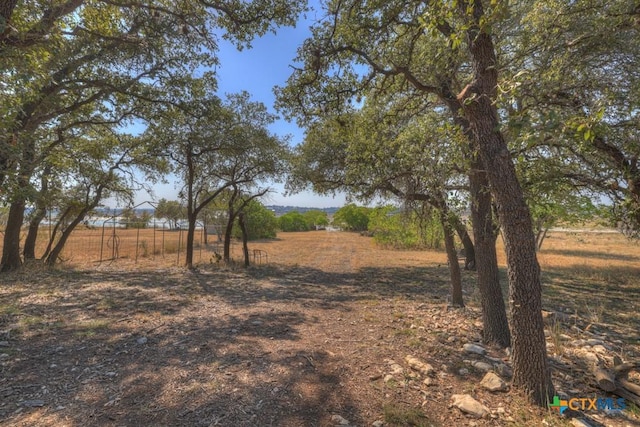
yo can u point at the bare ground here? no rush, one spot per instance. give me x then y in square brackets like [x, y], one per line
[312, 335]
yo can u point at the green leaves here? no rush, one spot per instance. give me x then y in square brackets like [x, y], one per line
[352, 217]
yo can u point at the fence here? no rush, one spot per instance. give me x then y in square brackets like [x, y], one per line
[118, 241]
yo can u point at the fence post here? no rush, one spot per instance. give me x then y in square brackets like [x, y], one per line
[201, 241]
[102, 241]
[113, 244]
[154, 238]
[137, 242]
[179, 242]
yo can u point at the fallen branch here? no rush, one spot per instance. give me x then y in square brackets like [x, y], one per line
[623, 369]
[605, 379]
[616, 382]
[627, 395]
[629, 386]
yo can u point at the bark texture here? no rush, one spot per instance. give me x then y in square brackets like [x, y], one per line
[530, 365]
[245, 237]
[494, 313]
[452, 257]
[11, 259]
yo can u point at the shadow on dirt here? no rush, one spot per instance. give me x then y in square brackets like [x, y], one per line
[586, 254]
[593, 295]
[210, 347]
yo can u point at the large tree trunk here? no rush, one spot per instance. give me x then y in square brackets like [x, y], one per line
[11, 259]
[245, 236]
[530, 365]
[29, 250]
[191, 233]
[494, 314]
[226, 254]
[54, 233]
[191, 213]
[452, 257]
[55, 253]
[231, 217]
[469, 250]
[90, 204]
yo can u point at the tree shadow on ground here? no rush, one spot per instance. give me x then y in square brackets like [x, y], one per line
[84, 348]
[605, 299]
[587, 254]
[184, 348]
[212, 346]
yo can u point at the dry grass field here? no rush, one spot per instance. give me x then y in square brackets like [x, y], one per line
[315, 337]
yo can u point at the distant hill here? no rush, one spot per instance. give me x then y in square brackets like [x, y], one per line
[281, 210]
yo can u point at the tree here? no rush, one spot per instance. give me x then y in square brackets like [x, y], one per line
[108, 173]
[237, 204]
[315, 218]
[43, 201]
[404, 228]
[343, 62]
[531, 371]
[352, 217]
[422, 47]
[61, 82]
[293, 221]
[421, 172]
[130, 219]
[261, 223]
[571, 93]
[74, 64]
[219, 147]
[171, 210]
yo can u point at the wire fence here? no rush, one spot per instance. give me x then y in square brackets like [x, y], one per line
[156, 242]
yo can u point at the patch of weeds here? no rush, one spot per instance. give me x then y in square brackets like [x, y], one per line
[144, 248]
[633, 409]
[395, 416]
[447, 352]
[469, 388]
[170, 248]
[9, 310]
[92, 327]
[555, 333]
[595, 313]
[415, 343]
[407, 332]
[526, 415]
[457, 365]
[398, 315]
[553, 420]
[32, 322]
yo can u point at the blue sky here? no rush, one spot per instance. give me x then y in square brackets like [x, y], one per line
[258, 70]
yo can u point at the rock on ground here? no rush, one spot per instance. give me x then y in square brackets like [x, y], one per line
[469, 405]
[493, 382]
[418, 365]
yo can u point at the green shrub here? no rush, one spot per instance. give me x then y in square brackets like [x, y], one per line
[400, 230]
